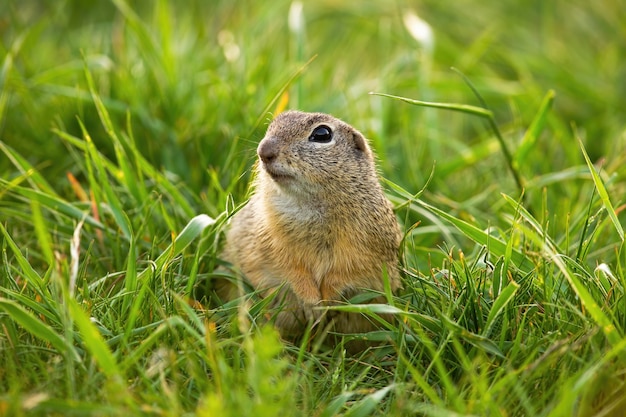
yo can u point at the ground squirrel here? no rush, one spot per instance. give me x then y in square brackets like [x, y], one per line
[317, 225]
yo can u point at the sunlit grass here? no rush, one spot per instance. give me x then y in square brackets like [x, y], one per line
[127, 135]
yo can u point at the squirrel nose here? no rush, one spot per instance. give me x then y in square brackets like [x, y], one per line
[268, 149]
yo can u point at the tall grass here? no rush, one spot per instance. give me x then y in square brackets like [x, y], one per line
[127, 134]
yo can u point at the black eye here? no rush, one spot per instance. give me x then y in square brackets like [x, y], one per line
[321, 134]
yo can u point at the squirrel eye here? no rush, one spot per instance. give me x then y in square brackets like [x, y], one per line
[321, 134]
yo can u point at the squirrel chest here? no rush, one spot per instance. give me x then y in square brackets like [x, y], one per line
[315, 246]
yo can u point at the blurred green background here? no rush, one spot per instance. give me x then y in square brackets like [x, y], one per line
[168, 65]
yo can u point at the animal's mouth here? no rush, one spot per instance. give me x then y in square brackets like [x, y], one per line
[277, 175]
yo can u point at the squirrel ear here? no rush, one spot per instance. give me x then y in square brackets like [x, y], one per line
[359, 141]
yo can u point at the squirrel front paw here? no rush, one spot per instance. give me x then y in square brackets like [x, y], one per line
[306, 291]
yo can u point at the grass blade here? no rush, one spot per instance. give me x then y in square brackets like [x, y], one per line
[55, 204]
[113, 201]
[367, 405]
[476, 111]
[530, 219]
[42, 232]
[38, 328]
[464, 108]
[29, 272]
[495, 245]
[550, 250]
[536, 127]
[498, 306]
[335, 406]
[33, 176]
[604, 195]
[191, 231]
[96, 345]
[281, 91]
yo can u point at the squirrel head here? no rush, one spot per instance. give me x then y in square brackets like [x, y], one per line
[305, 153]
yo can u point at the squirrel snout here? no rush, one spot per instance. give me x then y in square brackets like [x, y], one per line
[268, 149]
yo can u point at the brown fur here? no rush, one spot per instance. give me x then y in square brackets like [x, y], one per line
[317, 224]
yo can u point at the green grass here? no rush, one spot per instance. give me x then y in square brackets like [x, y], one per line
[127, 135]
